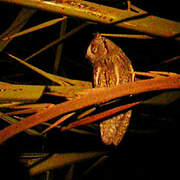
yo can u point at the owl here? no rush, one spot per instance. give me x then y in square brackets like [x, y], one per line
[111, 67]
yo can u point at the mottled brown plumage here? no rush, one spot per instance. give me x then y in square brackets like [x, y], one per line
[111, 68]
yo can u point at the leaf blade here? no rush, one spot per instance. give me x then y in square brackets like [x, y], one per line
[35, 28]
[59, 160]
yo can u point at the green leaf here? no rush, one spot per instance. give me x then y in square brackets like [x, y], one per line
[25, 93]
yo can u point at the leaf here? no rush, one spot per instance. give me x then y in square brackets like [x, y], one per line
[171, 60]
[34, 155]
[58, 122]
[60, 160]
[59, 40]
[89, 111]
[63, 91]
[25, 111]
[99, 161]
[8, 105]
[162, 73]
[25, 93]
[99, 116]
[147, 74]
[31, 158]
[39, 71]
[84, 132]
[54, 78]
[69, 174]
[23, 17]
[4, 83]
[164, 98]
[35, 28]
[131, 36]
[69, 90]
[28, 109]
[141, 21]
[93, 96]
[27, 106]
[60, 47]
[11, 120]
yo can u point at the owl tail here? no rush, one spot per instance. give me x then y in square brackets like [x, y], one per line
[113, 129]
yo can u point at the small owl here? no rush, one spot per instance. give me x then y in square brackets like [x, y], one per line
[111, 67]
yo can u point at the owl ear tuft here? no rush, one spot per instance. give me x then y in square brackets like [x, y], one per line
[98, 36]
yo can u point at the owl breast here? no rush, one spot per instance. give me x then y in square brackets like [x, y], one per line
[112, 71]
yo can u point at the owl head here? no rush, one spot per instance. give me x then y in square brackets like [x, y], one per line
[96, 49]
[99, 48]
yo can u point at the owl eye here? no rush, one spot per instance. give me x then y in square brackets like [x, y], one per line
[93, 49]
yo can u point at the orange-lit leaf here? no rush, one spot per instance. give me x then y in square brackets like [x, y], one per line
[11, 120]
[58, 122]
[9, 105]
[99, 116]
[43, 105]
[25, 111]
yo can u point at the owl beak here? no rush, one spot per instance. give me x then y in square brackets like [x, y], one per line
[88, 53]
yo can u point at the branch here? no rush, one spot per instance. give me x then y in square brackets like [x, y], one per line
[93, 96]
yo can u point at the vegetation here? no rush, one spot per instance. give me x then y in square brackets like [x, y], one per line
[49, 111]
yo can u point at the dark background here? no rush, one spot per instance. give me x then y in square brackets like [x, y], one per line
[140, 155]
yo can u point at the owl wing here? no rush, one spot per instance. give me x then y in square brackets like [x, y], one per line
[113, 71]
